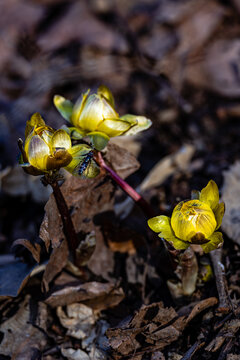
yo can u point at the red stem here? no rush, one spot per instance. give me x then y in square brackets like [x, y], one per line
[126, 187]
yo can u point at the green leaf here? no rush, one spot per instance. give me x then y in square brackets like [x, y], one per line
[64, 106]
[98, 139]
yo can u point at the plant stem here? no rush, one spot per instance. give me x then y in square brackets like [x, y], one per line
[145, 206]
[224, 305]
[68, 227]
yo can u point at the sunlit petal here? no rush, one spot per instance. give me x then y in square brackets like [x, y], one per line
[104, 91]
[35, 121]
[215, 241]
[61, 139]
[77, 109]
[138, 123]
[219, 212]
[38, 153]
[210, 194]
[113, 127]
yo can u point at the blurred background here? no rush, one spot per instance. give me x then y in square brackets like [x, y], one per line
[176, 62]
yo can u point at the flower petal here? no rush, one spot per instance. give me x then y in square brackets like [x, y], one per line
[38, 153]
[219, 212]
[162, 225]
[104, 91]
[64, 106]
[210, 194]
[216, 241]
[158, 223]
[138, 123]
[98, 139]
[35, 121]
[61, 139]
[77, 108]
[113, 127]
[95, 110]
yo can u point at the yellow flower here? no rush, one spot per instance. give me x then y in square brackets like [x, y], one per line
[193, 221]
[94, 116]
[46, 149]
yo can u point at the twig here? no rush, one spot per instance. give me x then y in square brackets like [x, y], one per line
[125, 186]
[68, 227]
[192, 351]
[224, 305]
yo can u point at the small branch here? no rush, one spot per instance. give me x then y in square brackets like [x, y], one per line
[224, 305]
[145, 206]
[193, 349]
[68, 227]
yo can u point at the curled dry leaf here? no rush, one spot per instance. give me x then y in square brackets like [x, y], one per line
[22, 339]
[35, 249]
[94, 294]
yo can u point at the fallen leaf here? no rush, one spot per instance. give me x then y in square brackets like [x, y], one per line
[231, 198]
[152, 328]
[94, 294]
[219, 69]
[78, 319]
[72, 354]
[56, 263]
[35, 249]
[89, 31]
[121, 160]
[21, 338]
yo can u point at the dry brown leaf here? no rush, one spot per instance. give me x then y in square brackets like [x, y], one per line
[155, 326]
[231, 198]
[79, 319]
[89, 31]
[94, 294]
[21, 339]
[12, 24]
[35, 249]
[219, 69]
[121, 160]
[56, 263]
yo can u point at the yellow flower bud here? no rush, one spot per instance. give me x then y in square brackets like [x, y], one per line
[47, 149]
[194, 221]
[95, 116]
